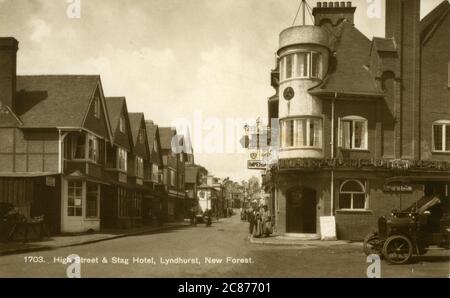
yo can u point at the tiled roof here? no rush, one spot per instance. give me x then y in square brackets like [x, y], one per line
[54, 100]
[166, 134]
[151, 128]
[349, 73]
[114, 106]
[135, 124]
[384, 44]
[431, 20]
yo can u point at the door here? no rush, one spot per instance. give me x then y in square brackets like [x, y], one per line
[301, 211]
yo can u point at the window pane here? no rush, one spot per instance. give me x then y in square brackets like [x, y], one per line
[344, 201]
[359, 201]
[302, 62]
[352, 186]
[80, 146]
[315, 133]
[315, 64]
[78, 212]
[289, 62]
[447, 138]
[360, 132]
[300, 133]
[70, 212]
[437, 135]
[346, 127]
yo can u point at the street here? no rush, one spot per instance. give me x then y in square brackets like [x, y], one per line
[222, 250]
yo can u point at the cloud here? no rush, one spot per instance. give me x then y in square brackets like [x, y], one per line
[40, 30]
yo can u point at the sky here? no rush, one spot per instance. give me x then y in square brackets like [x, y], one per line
[205, 61]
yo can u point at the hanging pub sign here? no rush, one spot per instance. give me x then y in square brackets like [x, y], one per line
[397, 188]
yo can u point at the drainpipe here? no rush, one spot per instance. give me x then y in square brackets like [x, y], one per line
[60, 154]
[332, 152]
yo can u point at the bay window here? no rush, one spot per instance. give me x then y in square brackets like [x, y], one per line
[301, 65]
[301, 133]
[87, 147]
[441, 136]
[93, 148]
[353, 133]
[79, 146]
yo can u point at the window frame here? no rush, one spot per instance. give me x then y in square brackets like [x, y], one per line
[294, 56]
[444, 136]
[295, 141]
[353, 119]
[97, 107]
[366, 197]
[80, 197]
[97, 152]
[125, 154]
[139, 167]
[122, 124]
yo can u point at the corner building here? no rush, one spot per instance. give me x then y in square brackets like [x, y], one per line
[364, 124]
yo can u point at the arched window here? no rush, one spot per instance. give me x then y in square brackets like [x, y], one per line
[352, 195]
[441, 136]
[353, 133]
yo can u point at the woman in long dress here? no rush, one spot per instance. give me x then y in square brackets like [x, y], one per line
[267, 222]
[258, 229]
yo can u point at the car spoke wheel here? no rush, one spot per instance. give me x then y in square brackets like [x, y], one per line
[373, 244]
[398, 249]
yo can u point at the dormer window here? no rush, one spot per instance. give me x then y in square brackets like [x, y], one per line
[122, 124]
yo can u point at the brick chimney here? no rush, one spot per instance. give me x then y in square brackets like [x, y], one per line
[333, 12]
[8, 65]
[403, 25]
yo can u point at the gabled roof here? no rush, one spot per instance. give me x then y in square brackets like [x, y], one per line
[348, 72]
[135, 124]
[166, 134]
[54, 100]
[115, 107]
[151, 128]
[432, 20]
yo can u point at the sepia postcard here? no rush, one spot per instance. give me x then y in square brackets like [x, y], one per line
[235, 139]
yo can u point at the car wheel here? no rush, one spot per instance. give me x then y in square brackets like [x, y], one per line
[398, 249]
[373, 244]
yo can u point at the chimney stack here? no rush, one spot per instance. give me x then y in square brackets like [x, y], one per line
[333, 12]
[8, 66]
[403, 25]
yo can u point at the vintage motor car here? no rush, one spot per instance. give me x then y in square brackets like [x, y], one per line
[411, 231]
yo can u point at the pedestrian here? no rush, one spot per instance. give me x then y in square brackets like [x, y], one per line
[258, 228]
[267, 221]
[251, 221]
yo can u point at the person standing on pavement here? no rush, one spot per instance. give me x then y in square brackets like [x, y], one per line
[251, 220]
[266, 221]
[258, 227]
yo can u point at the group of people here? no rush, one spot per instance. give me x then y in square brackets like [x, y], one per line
[260, 220]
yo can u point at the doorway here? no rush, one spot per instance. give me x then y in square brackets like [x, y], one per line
[301, 210]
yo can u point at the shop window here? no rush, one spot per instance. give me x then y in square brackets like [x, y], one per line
[353, 133]
[352, 195]
[441, 136]
[75, 198]
[301, 133]
[92, 199]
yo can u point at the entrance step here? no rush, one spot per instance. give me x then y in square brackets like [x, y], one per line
[299, 237]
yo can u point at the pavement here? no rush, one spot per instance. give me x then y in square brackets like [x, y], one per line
[55, 242]
[222, 250]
